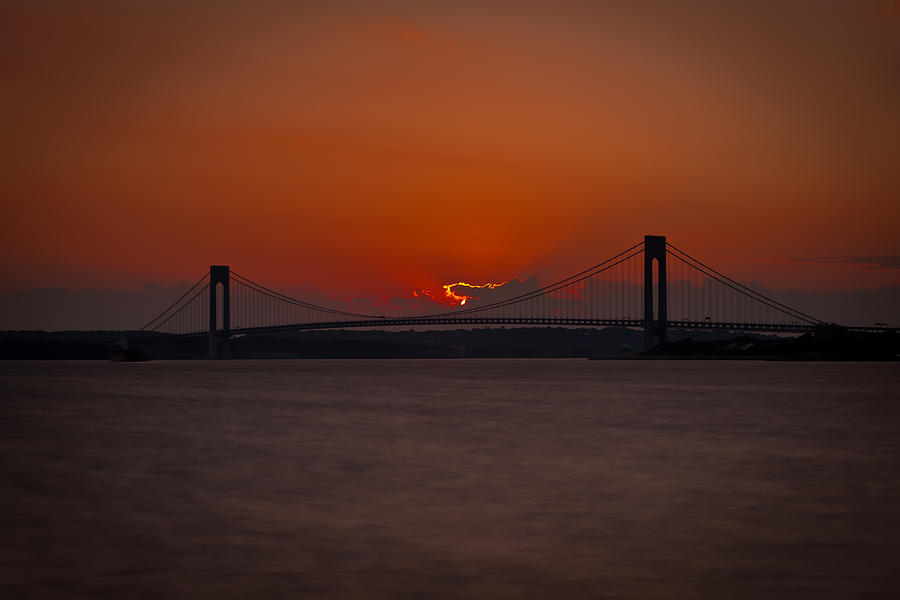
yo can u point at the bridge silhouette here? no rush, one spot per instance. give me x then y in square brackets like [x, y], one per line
[652, 285]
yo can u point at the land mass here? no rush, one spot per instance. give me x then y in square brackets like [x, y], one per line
[829, 343]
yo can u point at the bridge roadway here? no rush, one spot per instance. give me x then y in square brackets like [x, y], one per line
[724, 327]
[564, 322]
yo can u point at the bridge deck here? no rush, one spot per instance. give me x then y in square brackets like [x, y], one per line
[561, 322]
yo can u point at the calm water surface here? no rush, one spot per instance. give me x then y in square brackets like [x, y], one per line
[448, 479]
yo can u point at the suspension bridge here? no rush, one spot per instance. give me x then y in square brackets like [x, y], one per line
[652, 285]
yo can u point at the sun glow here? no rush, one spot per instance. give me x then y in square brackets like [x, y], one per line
[459, 297]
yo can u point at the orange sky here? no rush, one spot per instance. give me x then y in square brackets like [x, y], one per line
[386, 146]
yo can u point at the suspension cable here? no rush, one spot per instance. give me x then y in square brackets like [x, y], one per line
[288, 299]
[763, 300]
[761, 295]
[171, 306]
[183, 306]
[580, 276]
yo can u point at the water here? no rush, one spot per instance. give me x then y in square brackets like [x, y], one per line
[449, 479]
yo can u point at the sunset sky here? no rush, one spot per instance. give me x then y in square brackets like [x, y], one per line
[382, 147]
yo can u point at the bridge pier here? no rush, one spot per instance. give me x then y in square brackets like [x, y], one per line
[219, 341]
[655, 321]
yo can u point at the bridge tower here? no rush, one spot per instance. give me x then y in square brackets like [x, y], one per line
[219, 343]
[654, 324]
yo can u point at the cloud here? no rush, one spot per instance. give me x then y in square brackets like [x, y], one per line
[412, 34]
[424, 302]
[64, 309]
[396, 29]
[487, 293]
[878, 262]
[61, 309]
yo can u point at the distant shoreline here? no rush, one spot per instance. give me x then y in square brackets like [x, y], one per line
[876, 358]
[613, 343]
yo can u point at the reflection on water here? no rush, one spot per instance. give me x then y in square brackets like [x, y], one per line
[447, 479]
